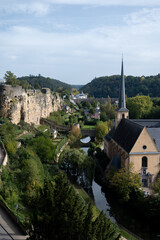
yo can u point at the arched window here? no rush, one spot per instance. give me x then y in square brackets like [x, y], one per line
[144, 161]
[123, 115]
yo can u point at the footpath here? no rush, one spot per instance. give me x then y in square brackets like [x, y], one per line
[9, 229]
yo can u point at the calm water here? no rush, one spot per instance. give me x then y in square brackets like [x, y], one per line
[85, 140]
[100, 201]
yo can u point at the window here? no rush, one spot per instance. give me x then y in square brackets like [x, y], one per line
[144, 146]
[123, 115]
[144, 171]
[144, 161]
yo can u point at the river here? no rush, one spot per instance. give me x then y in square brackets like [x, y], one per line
[101, 201]
[99, 197]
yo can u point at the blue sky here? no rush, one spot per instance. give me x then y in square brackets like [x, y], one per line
[77, 40]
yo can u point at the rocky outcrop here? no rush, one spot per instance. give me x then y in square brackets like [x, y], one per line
[29, 105]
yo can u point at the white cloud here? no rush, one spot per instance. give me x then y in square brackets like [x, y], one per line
[108, 2]
[37, 8]
[70, 54]
[64, 55]
[144, 16]
[42, 7]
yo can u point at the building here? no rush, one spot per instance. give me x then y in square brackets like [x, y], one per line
[80, 96]
[134, 141]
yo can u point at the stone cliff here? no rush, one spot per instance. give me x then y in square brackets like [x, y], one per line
[29, 105]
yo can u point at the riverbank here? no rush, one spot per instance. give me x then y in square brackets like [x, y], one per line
[96, 212]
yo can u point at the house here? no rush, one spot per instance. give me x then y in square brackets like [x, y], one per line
[54, 132]
[80, 96]
[134, 141]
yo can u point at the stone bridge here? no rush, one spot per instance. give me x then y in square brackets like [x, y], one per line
[88, 132]
[54, 125]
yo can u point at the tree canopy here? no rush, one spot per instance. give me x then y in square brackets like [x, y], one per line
[59, 213]
[139, 106]
[125, 181]
[109, 85]
[101, 130]
[46, 82]
[11, 79]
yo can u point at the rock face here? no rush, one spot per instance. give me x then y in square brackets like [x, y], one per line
[29, 105]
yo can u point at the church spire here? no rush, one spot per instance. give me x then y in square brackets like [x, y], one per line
[122, 100]
[122, 111]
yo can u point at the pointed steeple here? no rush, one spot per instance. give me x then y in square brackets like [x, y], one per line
[122, 100]
[122, 111]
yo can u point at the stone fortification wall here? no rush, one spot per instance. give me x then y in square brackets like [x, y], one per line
[29, 105]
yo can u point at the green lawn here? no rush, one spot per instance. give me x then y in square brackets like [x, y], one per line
[87, 199]
[27, 136]
[88, 127]
[126, 235]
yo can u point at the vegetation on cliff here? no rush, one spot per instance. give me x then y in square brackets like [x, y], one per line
[45, 82]
[36, 82]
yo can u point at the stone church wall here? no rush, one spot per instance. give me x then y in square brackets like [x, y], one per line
[29, 105]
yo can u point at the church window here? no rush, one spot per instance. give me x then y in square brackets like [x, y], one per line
[144, 161]
[144, 146]
[144, 171]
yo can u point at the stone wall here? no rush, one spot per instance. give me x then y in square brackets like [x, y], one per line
[3, 156]
[29, 105]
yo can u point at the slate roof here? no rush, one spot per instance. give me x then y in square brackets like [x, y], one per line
[123, 110]
[126, 134]
[155, 135]
[148, 123]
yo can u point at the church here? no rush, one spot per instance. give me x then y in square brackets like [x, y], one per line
[134, 141]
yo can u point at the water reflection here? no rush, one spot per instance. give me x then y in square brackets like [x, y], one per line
[85, 149]
[100, 201]
[85, 140]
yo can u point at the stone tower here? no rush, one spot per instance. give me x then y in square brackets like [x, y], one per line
[122, 111]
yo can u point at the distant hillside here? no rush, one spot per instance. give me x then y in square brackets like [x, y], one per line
[44, 82]
[77, 86]
[109, 85]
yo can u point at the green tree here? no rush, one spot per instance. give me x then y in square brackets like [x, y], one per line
[125, 181]
[76, 163]
[11, 79]
[101, 131]
[103, 116]
[139, 106]
[57, 212]
[11, 147]
[156, 184]
[37, 86]
[32, 172]
[109, 103]
[25, 84]
[103, 229]
[44, 148]
[92, 110]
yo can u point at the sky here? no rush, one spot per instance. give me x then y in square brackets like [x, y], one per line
[75, 41]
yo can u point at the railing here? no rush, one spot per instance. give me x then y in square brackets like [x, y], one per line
[53, 124]
[59, 147]
[4, 234]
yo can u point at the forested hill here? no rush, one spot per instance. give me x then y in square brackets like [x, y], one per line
[43, 82]
[109, 85]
